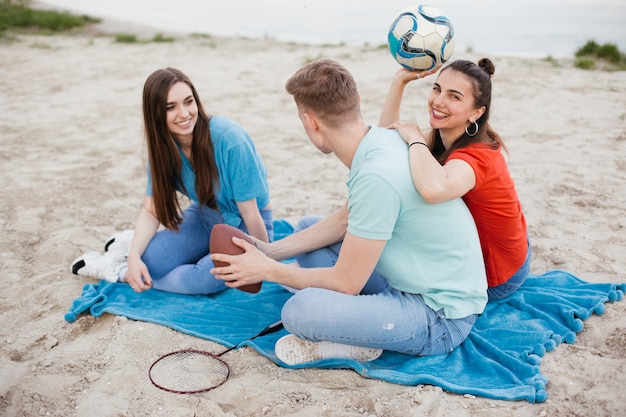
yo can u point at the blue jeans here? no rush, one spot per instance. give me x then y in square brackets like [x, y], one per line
[179, 261]
[380, 317]
[513, 283]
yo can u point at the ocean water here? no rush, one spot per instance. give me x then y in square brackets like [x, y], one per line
[510, 27]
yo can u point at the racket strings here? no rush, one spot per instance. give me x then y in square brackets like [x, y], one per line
[189, 371]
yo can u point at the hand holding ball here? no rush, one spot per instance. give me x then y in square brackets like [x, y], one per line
[222, 242]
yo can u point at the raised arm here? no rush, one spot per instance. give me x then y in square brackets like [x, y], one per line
[391, 108]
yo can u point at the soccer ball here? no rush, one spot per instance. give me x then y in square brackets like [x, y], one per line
[421, 38]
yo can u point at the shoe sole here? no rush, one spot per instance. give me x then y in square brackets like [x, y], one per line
[292, 350]
[80, 262]
[77, 265]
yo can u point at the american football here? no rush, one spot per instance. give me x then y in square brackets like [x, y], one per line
[222, 242]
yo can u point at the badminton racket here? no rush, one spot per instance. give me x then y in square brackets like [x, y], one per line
[190, 371]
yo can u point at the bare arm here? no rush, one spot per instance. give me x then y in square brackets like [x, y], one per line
[391, 107]
[145, 228]
[436, 183]
[252, 218]
[355, 264]
[324, 233]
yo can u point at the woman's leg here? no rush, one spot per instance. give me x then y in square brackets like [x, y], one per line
[178, 260]
[513, 283]
[181, 260]
[191, 279]
[390, 320]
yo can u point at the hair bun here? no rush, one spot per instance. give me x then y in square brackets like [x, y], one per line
[487, 66]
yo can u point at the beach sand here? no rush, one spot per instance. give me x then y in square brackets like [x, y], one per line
[73, 174]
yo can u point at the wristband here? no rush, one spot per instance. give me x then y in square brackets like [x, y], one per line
[416, 142]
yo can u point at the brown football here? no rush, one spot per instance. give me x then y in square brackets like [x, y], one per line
[222, 242]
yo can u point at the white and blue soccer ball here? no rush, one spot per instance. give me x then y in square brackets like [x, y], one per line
[421, 38]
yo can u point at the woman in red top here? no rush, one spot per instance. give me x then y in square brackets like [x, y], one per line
[461, 157]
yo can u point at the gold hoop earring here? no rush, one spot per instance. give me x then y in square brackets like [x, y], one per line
[475, 129]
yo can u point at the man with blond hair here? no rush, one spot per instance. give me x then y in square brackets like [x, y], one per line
[387, 271]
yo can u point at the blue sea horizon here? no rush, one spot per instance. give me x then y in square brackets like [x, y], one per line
[528, 28]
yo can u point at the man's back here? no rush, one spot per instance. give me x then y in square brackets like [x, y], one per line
[431, 249]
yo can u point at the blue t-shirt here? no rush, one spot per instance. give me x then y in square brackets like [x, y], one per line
[432, 249]
[241, 170]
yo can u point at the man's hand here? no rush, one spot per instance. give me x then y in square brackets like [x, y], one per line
[249, 268]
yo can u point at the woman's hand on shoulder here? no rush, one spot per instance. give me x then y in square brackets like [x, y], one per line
[409, 132]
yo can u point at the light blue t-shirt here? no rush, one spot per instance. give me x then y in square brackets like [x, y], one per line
[432, 249]
[241, 170]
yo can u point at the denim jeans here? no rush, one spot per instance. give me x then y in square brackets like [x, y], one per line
[513, 283]
[179, 261]
[380, 317]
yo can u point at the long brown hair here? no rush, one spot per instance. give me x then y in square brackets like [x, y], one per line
[163, 153]
[480, 77]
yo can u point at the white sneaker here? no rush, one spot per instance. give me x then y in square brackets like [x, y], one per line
[119, 243]
[292, 350]
[96, 265]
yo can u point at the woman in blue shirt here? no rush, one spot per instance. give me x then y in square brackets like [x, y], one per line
[209, 159]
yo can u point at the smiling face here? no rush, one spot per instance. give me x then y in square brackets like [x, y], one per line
[451, 105]
[182, 112]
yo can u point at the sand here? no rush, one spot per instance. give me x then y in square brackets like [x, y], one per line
[73, 174]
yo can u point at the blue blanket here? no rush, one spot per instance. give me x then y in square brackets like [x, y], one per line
[500, 358]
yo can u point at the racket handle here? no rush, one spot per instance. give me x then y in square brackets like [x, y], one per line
[272, 328]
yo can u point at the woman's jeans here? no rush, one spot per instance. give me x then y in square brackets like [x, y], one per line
[179, 261]
[380, 317]
[513, 283]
